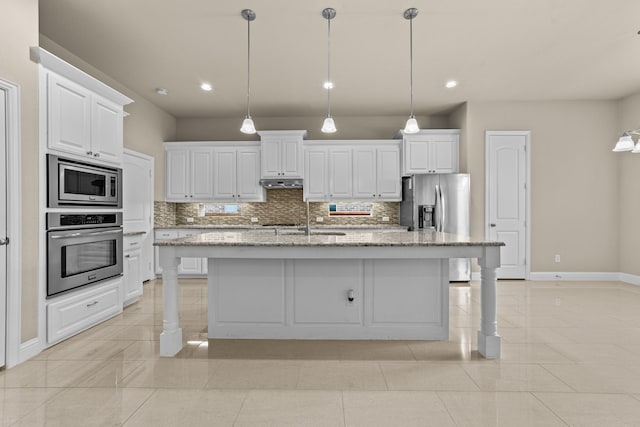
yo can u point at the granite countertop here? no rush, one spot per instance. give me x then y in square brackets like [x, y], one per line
[133, 233]
[350, 238]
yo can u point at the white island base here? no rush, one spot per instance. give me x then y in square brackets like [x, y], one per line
[303, 292]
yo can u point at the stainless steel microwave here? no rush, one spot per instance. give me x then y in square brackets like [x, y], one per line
[72, 183]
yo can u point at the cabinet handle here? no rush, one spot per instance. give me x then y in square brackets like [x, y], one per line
[379, 195]
[92, 304]
[350, 295]
[89, 152]
[127, 256]
[186, 195]
[191, 195]
[96, 154]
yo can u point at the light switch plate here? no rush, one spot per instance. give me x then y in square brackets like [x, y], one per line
[385, 219]
[254, 219]
[189, 219]
[319, 219]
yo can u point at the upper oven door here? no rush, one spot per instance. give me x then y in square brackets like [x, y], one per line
[80, 257]
[77, 184]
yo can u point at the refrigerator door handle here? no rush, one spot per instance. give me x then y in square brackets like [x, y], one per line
[438, 222]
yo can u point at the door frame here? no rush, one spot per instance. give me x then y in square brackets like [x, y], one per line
[14, 225]
[527, 222]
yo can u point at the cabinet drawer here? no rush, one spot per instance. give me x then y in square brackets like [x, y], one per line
[70, 315]
[132, 243]
[166, 234]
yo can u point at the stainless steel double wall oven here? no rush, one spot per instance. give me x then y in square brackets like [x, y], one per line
[83, 247]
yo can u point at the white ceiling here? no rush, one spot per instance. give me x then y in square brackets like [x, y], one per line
[496, 49]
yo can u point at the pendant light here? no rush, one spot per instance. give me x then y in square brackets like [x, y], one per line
[247, 125]
[625, 143]
[329, 126]
[412, 123]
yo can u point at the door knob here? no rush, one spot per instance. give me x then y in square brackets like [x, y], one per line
[4, 241]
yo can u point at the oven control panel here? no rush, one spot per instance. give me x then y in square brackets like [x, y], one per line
[56, 221]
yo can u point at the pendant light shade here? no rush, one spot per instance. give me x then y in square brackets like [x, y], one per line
[329, 126]
[625, 143]
[247, 125]
[412, 124]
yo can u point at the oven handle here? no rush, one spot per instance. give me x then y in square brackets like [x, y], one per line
[97, 233]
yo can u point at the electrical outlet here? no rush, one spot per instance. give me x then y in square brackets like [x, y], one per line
[254, 219]
[319, 219]
[557, 258]
[189, 219]
[385, 219]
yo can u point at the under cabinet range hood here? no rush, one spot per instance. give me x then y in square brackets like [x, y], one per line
[280, 183]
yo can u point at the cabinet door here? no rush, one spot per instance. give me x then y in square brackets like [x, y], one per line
[364, 173]
[201, 174]
[248, 186]
[388, 174]
[189, 265]
[224, 166]
[340, 173]
[416, 155]
[271, 159]
[132, 276]
[177, 175]
[443, 153]
[106, 130]
[68, 116]
[290, 158]
[316, 175]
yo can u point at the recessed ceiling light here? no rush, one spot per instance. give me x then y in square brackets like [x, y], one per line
[451, 84]
[206, 87]
[327, 85]
[161, 91]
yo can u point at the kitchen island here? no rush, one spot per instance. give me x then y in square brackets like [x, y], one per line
[326, 285]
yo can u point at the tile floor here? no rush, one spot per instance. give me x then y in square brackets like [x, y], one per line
[571, 356]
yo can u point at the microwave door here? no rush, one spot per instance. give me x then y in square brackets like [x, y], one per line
[80, 184]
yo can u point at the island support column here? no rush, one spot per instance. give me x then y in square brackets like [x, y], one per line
[171, 336]
[488, 338]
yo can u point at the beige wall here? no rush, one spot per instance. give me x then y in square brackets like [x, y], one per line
[574, 175]
[228, 129]
[628, 179]
[18, 32]
[145, 129]
[458, 120]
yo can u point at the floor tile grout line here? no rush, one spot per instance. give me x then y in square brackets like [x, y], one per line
[61, 391]
[244, 399]
[535, 396]
[155, 390]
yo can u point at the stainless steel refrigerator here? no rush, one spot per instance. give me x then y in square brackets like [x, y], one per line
[439, 202]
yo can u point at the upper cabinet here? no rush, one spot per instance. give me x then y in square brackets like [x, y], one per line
[84, 117]
[189, 174]
[281, 153]
[352, 170]
[237, 174]
[213, 172]
[430, 151]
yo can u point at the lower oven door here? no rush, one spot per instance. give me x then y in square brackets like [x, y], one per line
[77, 258]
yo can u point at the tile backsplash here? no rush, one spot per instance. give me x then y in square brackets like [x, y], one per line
[281, 207]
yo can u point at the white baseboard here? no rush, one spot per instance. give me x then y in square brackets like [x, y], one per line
[28, 350]
[572, 275]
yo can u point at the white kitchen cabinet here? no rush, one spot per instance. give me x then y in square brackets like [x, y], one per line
[431, 151]
[237, 175]
[81, 122]
[189, 174]
[132, 268]
[376, 173]
[316, 174]
[340, 173]
[68, 315]
[282, 153]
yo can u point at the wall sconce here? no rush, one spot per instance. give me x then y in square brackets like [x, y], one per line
[625, 143]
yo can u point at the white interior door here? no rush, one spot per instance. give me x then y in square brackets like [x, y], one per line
[3, 225]
[507, 199]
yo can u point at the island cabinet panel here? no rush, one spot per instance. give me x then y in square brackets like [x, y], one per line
[322, 296]
[416, 299]
[247, 293]
[328, 298]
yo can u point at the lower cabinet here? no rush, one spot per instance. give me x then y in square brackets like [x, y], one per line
[329, 298]
[132, 271]
[68, 315]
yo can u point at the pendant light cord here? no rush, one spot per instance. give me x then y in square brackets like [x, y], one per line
[248, 65]
[329, 84]
[411, 62]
